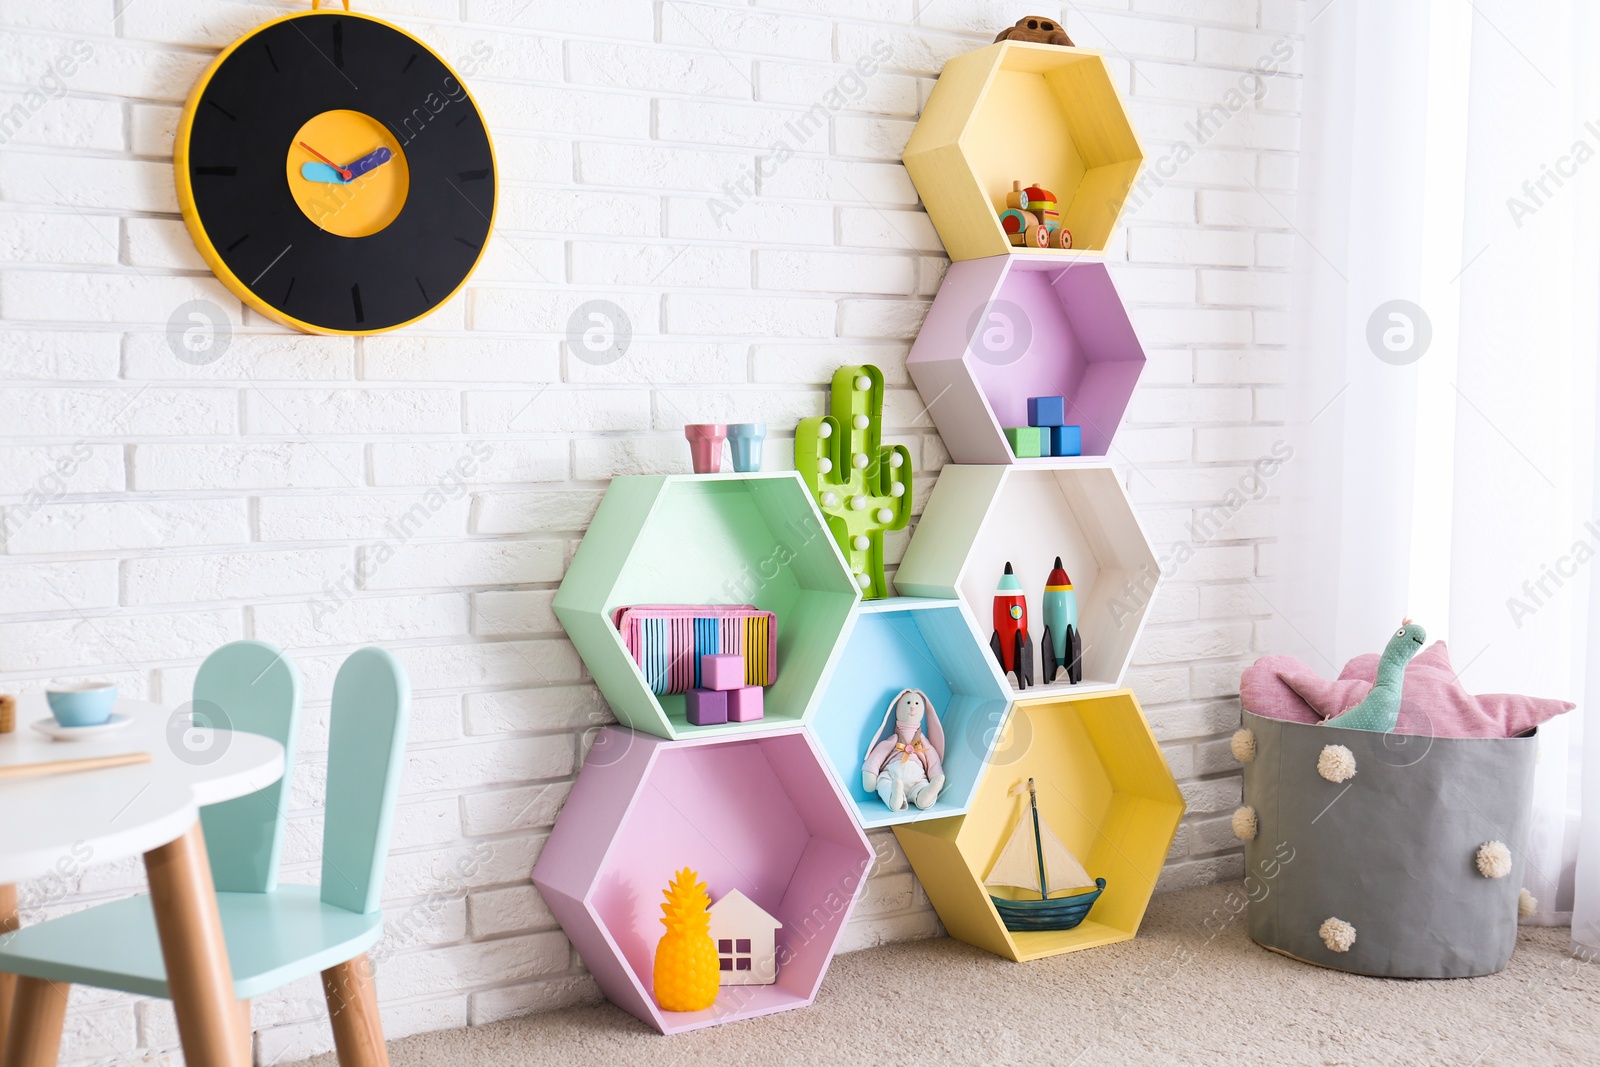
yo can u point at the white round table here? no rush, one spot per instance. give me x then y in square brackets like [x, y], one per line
[57, 824]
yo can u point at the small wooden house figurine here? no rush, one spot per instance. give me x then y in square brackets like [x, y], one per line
[746, 939]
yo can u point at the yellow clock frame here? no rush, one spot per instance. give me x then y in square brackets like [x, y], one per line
[195, 223]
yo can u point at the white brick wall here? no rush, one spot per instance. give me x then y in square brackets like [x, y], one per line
[156, 509]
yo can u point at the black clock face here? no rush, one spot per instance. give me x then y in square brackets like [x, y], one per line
[341, 173]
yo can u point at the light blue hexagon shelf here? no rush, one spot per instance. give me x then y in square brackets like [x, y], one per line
[912, 643]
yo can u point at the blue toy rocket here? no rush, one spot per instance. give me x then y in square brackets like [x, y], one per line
[1062, 644]
[1010, 643]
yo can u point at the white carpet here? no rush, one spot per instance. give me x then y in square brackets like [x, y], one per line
[1183, 992]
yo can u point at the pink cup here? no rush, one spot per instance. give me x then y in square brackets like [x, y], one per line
[705, 445]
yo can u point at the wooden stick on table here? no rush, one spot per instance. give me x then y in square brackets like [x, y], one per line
[66, 766]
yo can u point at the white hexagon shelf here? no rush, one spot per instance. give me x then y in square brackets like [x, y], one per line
[981, 517]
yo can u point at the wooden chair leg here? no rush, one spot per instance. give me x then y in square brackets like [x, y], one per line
[198, 976]
[353, 1010]
[9, 921]
[246, 1029]
[39, 1013]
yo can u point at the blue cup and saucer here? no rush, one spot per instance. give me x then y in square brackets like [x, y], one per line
[81, 711]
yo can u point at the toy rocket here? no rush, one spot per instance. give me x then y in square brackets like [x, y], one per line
[1011, 644]
[1062, 644]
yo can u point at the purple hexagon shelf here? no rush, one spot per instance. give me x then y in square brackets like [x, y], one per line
[760, 814]
[1005, 328]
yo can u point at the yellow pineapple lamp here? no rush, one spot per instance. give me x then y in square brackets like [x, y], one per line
[687, 971]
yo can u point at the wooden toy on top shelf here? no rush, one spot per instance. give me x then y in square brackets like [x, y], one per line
[1031, 218]
[1024, 229]
[8, 714]
[1036, 28]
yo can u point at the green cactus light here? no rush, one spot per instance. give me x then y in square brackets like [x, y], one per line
[862, 486]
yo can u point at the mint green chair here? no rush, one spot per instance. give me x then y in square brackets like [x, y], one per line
[275, 933]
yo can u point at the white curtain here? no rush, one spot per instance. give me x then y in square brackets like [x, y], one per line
[1451, 161]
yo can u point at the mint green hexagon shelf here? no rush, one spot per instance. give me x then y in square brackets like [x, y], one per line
[709, 539]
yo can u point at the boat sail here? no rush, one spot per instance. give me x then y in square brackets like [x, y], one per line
[1034, 858]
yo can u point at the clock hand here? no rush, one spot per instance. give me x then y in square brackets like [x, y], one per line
[343, 172]
[320, 172]
[371, 161]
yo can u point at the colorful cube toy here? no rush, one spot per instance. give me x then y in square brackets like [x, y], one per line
[1027, 442]
[722, 671]
[1047, 410]
[745, 704]
[706, 707]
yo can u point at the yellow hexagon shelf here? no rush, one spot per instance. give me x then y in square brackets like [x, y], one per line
[1034, 113]
[1103, 788]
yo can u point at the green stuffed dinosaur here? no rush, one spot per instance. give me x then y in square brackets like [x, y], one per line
[1381, 709]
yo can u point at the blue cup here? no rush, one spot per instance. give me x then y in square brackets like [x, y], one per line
[745, 439]
[88, 704]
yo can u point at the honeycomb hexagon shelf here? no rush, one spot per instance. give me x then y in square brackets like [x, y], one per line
[1006, 328]
[708, 539]
[1035, 113]
[912, 643]
[758, 814]
[979, 518]
[1103, 787]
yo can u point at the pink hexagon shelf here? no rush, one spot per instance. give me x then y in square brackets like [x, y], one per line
[1006, 328]
[761, 815]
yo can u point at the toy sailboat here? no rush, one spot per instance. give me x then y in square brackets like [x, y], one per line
[1032, 857]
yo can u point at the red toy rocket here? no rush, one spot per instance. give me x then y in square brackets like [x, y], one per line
[1011, 644]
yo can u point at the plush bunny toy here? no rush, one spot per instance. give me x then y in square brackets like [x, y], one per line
[908, 765]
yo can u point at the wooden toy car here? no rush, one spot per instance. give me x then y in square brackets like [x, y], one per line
[1024, 229]
[1031, 218]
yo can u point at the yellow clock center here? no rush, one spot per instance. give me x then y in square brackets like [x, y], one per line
[340, 177]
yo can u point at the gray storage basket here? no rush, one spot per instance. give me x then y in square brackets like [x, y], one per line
[1392, 851]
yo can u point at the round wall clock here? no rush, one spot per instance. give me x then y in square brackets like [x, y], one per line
[336, 173]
